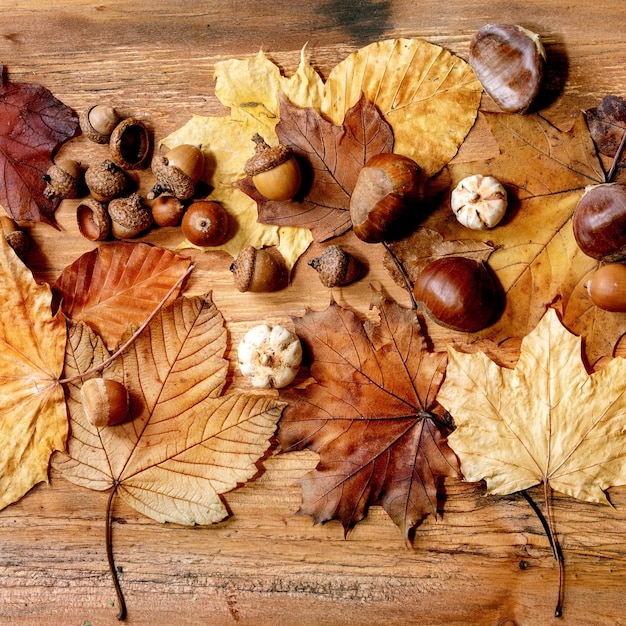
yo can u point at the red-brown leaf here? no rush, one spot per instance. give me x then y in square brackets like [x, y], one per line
[331, 157]
[118, 284]
[34, 125]
[371, 414]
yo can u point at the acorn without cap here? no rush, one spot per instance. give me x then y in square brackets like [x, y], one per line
[274, 170]
[336, 267]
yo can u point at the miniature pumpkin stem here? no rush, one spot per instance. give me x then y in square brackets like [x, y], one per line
[121, 616]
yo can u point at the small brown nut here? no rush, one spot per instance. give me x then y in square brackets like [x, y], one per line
[177, 172]
[130, 144]
[274, 170]
[129, 216]
[259, 270]
[105, 401]
[98, 122]
[335, 267]
[105, 180]
[15, 236]
[62, 180]
[93, 219]
[167, 211]
[479, 202]
[508, 60]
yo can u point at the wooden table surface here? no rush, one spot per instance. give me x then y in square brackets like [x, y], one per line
[487, 560]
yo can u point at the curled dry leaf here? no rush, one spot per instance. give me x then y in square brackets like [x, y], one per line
[186, 443]
[34, 125]
[117, 284]
[607, 126]
[33, 416]
[371, 415]
[332, 157]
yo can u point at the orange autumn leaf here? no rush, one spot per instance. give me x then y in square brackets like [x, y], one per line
[187, 442]
[33, 417]
[118, 284]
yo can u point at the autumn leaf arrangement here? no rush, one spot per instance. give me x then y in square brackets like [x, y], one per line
[389, 411]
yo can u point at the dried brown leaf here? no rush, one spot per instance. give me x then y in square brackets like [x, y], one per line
[371, 415]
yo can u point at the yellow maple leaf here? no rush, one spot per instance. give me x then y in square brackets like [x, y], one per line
[545, 421]
[33, 416]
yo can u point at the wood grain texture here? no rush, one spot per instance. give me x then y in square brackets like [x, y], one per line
[487, 560]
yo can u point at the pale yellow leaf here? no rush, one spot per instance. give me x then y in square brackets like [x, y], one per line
[545, 421]
[186, 443]
[429, 96]
[33, 417]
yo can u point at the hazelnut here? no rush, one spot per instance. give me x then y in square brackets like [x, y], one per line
[130, 144]
[62, 180]
[336, 267]
[105, 180]
[129, 216]
[104, 401]
[274, 170]
[177, 172]
[93, 219]
[508, 60]
[384, 200]
[98, 122]
[479, 202]
[259, 270]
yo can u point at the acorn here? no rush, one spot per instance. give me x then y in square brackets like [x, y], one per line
[98, 122]
[105, 180]
[274, 170]
[130, 144]
[177, 172]
[62, 180]
[15, 236]
[206, 224]
[385, 198]
[509, 61]
[335, 267]
[129, 216]
[93, 219]
[260, 270]
[104, 401]
[607, 287]
[459, 293]
[167, 210]
[599, 222]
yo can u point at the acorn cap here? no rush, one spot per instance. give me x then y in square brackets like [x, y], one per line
[93, 219]
[95, 135]
[335, 267]
[129, 216]
[130, 144]
[266, 157]
[105, 180]
[259, 270]
[62, 180]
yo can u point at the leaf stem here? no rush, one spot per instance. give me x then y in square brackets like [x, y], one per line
[101, 366]
[402, 271]
[616, 159]
[121, 616]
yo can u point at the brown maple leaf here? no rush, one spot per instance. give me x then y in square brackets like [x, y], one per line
[331, 157]
[117, 284]
[33, 417]
[371, 415]
[34, 125]
[547, 421]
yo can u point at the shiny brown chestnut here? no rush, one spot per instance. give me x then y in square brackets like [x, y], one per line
[599, 222]
[607, 287]
[459, 293]
[383, 202]
[509, 61]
